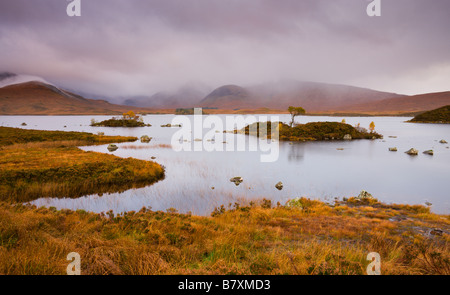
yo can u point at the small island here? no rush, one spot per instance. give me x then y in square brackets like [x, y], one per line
[128, 119]
[437, 116]
[313, 131]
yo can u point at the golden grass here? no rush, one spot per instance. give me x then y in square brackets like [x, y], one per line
[305, 237]
[257, 239]
[37, 164]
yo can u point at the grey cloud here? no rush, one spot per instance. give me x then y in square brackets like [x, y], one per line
[139, 47]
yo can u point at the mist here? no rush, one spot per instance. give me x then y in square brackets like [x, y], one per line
[121, 49]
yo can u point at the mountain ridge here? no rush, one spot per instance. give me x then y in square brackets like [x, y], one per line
[313, 96]
[41, 98]
[38, 98]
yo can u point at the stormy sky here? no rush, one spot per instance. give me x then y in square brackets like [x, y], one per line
[137, 47]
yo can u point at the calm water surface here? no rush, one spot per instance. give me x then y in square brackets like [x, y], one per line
[312, 169]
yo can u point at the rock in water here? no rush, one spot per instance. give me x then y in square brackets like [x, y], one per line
[443, 141]
[237, 180]
[393, 149]
[112, 147]
[429, 152]
[279, 186]
[412, 152]
[347, 137]
[145, 138]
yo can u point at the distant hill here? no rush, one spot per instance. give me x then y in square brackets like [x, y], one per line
[38, 98]
[440, 115]
[406, 104]
[22, 95]
[7, 78]
[184, 97]
[312, 96]
[229, 97]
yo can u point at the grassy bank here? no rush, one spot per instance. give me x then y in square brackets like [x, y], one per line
[38, 164]
[308, 237]
[10, 136]
[437, 116]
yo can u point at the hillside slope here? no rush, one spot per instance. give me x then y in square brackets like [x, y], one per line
[37, 98]
[407, 104]
[440, 115]
[312, 96]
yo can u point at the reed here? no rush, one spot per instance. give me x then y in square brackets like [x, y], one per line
[260, 238]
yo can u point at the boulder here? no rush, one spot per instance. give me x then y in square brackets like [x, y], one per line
[112, 147]
[429, 152]
[347, 137]
[24, 124]
[436, 232]
[237, 180]
[153, 157]
[393, 149]
[279, 186]
[146, 138]
[412, 152]
[443, 141]
[361, 129]
[363, 195]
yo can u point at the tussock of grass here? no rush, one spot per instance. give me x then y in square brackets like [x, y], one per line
[259, 238]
